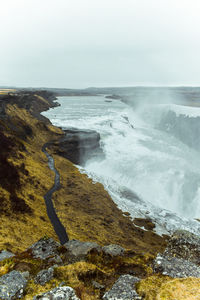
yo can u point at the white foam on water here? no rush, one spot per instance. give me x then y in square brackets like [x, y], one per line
[147, 171]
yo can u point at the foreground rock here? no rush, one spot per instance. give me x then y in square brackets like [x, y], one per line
[113, 250]
[79, 145]
[59, 293]
[80, 249]
[176, 267]
[44, 276]
[123, 289]
[184, 244]
[45, 248]
[12, 285]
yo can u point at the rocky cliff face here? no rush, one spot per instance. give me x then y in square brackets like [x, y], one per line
[79, 145]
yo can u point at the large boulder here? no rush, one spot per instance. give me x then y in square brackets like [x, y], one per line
[12, 285]
[79, 145]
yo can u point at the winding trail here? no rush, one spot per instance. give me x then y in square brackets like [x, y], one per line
[58, 226]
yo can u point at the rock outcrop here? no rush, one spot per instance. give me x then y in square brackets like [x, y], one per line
[176, 267]
[79, 145]
[97, 272]
[184, 244]
[176, 271]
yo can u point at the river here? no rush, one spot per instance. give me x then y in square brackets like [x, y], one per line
[150, 168]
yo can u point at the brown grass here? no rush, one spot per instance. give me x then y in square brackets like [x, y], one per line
[158, 287]
[85, 208]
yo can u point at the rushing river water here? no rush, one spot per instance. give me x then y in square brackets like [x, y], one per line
[151, 166]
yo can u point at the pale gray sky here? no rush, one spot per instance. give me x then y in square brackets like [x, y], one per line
[81, 43]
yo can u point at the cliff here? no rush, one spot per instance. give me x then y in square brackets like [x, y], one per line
[85, 208]
[107, 256]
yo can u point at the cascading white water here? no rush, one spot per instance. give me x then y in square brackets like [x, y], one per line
[147, 170]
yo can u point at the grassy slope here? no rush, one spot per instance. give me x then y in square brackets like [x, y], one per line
[85, 208]
[89, 213]
[26, 222]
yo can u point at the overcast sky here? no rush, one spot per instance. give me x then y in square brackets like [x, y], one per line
[82, 43]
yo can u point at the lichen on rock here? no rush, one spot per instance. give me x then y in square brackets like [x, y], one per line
[12, 285]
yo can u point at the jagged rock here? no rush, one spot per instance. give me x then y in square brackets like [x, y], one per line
[79, 145]
[44, 248]
[5, 254]
[123, 289]
[97, 285]
[12, 285]
[59, 293]
[175, 267]
[184, 244]
[113, 250]
[44, 276]
[81, 249]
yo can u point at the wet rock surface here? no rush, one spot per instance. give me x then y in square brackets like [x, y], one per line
[113, 250]
[79, 145]
[5, 254]
[184, 244]
[123, 289]
[44, 248]
[44, 276]
[176, 267]
[59, 293]
[12, 285]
